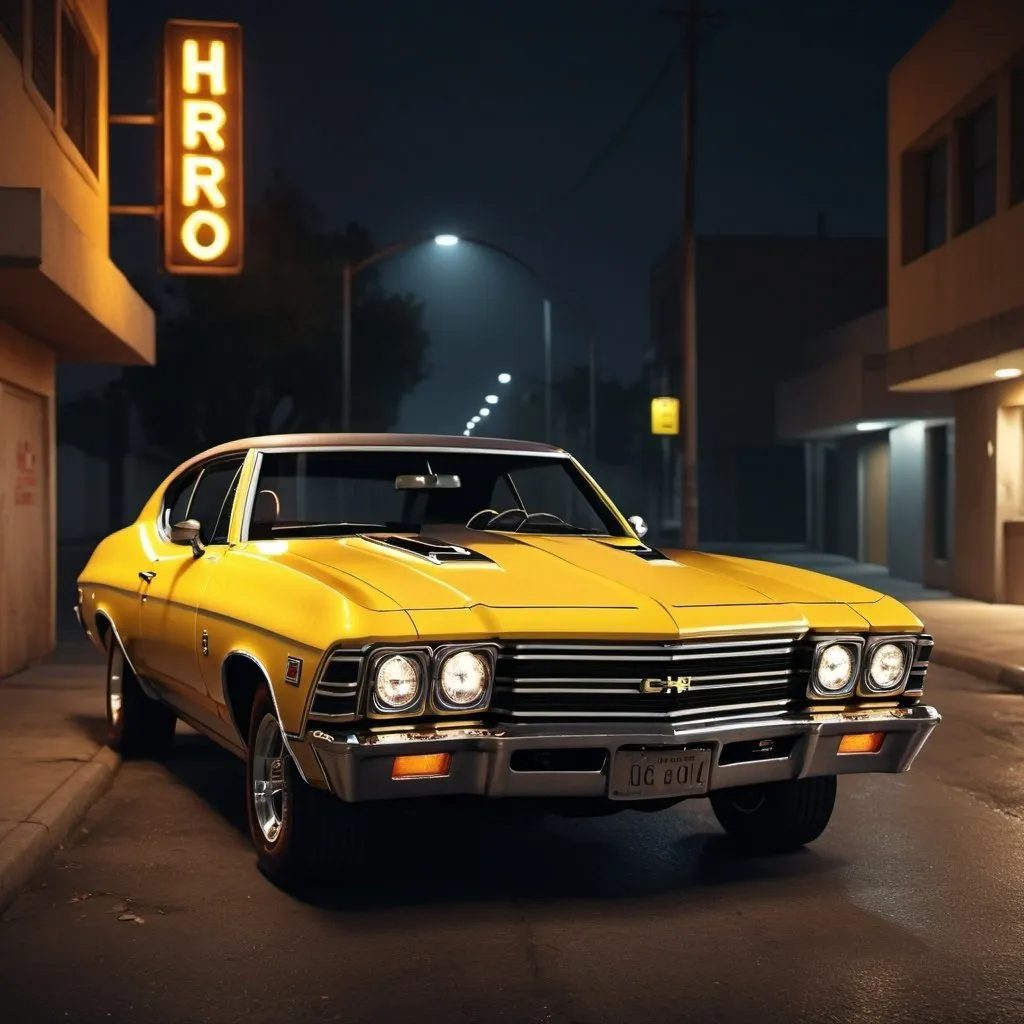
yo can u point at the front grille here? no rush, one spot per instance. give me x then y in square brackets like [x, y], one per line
[539, 681]
[336, 696]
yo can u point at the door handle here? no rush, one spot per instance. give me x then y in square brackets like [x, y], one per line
[147, 576]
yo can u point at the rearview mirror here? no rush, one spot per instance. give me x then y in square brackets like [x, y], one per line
[187, 532]
[639, 526]
[427, 482]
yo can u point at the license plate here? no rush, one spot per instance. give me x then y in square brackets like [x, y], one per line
[648, 774]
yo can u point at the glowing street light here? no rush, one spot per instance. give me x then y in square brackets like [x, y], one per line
[475, 420]
[491, 399]
[485, 411]
[465, 433]
[504, 378]
[447, 239]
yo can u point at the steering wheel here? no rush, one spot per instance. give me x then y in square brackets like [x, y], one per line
[479, 520]
[543, 519]
[510, 520]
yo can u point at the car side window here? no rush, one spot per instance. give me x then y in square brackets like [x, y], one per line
[211, 494]
[176, 500]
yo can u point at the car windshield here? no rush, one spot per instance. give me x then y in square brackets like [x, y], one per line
[337, 493]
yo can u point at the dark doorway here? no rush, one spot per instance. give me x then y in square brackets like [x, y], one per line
[830, 500]
[771, 488]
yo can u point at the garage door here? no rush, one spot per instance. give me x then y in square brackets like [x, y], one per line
[24, 529]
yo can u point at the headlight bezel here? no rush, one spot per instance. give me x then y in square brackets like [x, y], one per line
[440, 704]
[420, 657]
[909, 645]
[856, 645]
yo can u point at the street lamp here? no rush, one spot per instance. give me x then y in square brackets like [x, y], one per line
[346, 319]
[491, 399]
[447, 241]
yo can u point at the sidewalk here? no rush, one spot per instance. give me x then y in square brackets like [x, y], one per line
[53, 763]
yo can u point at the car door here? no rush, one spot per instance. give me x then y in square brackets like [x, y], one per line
[177, 579]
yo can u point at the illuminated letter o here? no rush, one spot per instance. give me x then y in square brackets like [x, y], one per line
[190, 235]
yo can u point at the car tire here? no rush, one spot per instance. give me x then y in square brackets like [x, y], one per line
[137, 725]
[301, 834]
[777, 816]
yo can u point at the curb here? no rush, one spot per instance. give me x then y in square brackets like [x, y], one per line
[1009, 676]
[26, 848]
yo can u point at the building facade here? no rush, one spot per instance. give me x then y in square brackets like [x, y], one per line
[61, 297]
[956, 289]
[878, 463]
[759, 299]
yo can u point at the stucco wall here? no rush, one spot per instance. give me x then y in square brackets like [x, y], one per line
[44, 156]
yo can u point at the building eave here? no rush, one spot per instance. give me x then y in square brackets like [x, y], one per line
[57, 287]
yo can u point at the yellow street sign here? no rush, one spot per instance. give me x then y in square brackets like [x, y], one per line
[664, 415]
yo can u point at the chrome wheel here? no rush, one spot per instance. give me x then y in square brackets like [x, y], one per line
[268, 781]
[115, 684]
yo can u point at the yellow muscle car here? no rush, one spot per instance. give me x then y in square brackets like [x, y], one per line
[371, 618]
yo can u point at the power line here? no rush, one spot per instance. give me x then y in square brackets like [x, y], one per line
[563, 195]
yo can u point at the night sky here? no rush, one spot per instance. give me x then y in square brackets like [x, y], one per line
[478, 118]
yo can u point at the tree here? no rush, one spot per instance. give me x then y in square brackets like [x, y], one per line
[261, 352]
[622, 412]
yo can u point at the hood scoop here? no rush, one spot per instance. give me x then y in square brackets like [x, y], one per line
[437, 552]
[644, 552]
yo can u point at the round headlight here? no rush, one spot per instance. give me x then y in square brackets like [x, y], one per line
[887, 664]
[835, 668]
[397, 683]
[464, 678]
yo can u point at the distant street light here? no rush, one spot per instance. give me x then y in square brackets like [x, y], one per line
[491, 399]
[475, 420]
[504, 378]
[447, 239]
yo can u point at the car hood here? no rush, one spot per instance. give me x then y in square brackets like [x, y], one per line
[618, 583]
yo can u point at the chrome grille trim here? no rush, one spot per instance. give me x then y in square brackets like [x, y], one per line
[337, 700]
[557, 680]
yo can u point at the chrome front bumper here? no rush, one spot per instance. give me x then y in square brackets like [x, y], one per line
[359, 767]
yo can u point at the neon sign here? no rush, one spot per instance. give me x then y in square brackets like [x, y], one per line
[203, 210]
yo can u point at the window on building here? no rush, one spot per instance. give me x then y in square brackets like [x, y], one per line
[1017, 136]
[935, 166]
[44, 49]
[79, 90]
[12, 23]
[978, 166]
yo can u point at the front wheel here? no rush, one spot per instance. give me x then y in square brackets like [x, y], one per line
[300, 833]
[776, 816]
[137, 725]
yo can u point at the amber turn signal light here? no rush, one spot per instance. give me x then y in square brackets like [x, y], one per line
[861, 743]
[421, 766]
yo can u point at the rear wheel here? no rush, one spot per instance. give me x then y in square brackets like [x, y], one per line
[137, 725]
[300, 833]
[776, 816]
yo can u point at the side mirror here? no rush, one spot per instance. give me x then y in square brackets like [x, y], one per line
[187, 532]
[639, 526]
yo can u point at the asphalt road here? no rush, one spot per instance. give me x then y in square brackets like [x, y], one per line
[909, 909]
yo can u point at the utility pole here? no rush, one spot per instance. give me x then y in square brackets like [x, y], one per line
[690, 21]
